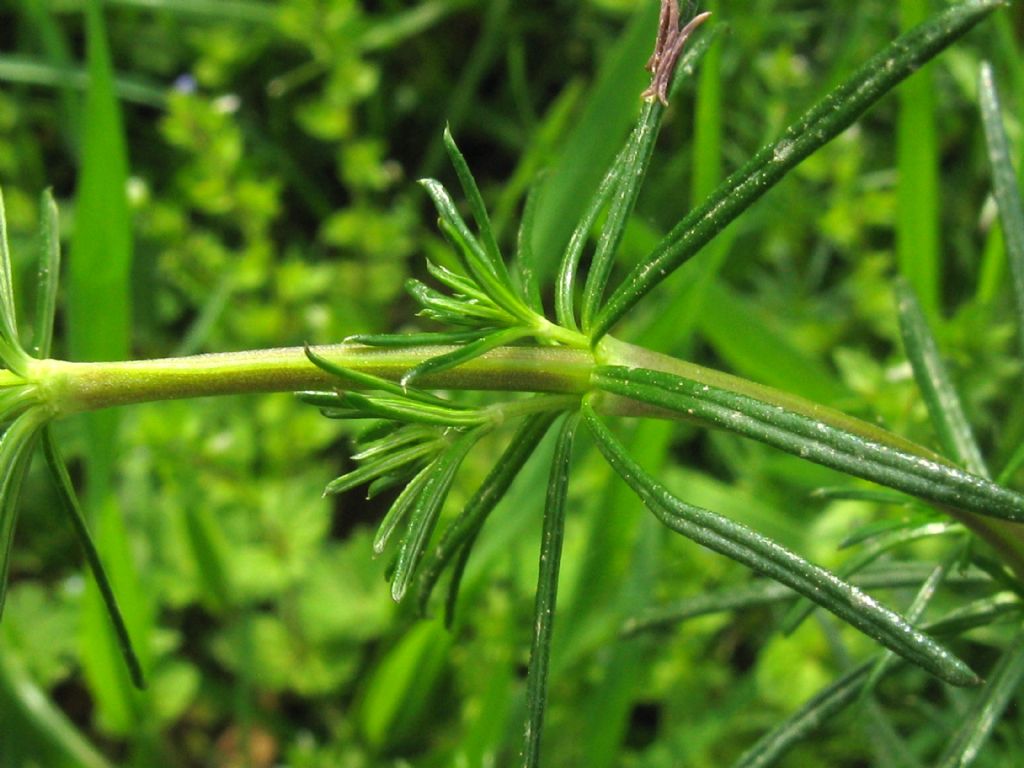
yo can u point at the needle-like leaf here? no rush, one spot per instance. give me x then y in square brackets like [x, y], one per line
[462, 531]
[426, 508]
[815, 128]
[368, 381]
[476, 206]
[816, 439]
[940, 396]
[16, 446]
[11, 354]
[764, 593]
[744, 545]
[69, 500]
[400, 509]
[1004, 183]
[464, 354]
[547, 591]
[819, 710]
[1002, 685]
[399, 340]
[47, 279]
[383, 466]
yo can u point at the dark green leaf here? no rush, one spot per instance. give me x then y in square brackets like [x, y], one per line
[819, 710]
[368, 381]
[933, 380]
[16, 446]
[11, 355]
[426, 508]
[397, 340]
[400, 508]
[459, 535]
[1002, 685]
[740, 543]
[630, 177]
[69, 500]
[1007, 193]
[816, 439]
[48, 278]
[382, 466]
[476, 206]
[463, 354]
[819, 125]
[547, 591]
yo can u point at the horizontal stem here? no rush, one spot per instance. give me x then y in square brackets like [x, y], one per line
[76, 387]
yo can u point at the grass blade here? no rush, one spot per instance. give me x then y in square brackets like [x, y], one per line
[547, 591]
[819, 125]
[940, 396]
[815, 439]
[427, 507]
[48, 279]
[1002, 685]
[1007, 193]
[463, 530]
[917, 191]
[66, 492]
[740, 543]
[99, 292]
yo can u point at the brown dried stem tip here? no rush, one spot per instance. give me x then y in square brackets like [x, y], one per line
[669, 45]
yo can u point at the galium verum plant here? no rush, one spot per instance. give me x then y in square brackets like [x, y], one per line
[555, 375]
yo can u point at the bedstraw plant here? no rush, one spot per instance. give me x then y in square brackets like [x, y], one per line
[558, 369]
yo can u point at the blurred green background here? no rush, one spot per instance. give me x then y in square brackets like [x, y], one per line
[236, 174]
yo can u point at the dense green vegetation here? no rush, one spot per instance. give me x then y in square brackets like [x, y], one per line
[237, 175]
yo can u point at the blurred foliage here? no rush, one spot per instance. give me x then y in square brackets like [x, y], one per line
[272, 151]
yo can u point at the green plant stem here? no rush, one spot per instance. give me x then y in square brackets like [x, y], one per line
[68, 388]
[77, 387]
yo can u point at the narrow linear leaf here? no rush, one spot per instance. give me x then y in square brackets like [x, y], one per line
[398, 340]
[922, 599]
[832, 700]
[917, 225]
[1002, 685]
[529, 285]
[411, 411]
[368, 381]
[815, 128]
[476, 206]
[552, 536]
[627, 189]
[837, 697]
[867, 555]
[495, 283]
[459, 535]
[464, 354]
[48, 278]
[404, 435]
[764, 593]
[565, 283]
[427, 507]
[400, 508]
[940, 396]
[69, 500]
[746, 546]
[814, 439]
[16, 446]
[1007, 193]
[11, 356]
[382, 466]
